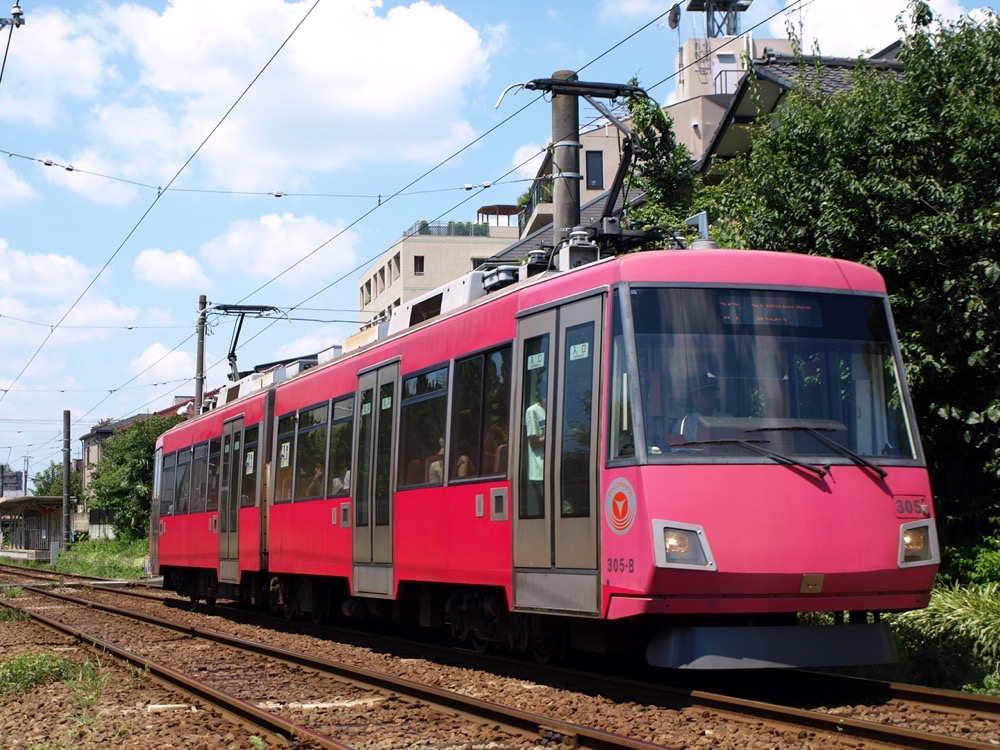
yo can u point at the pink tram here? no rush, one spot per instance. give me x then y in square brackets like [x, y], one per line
[685, 451]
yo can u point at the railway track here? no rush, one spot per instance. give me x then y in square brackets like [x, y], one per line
[901, 717]
[295, 702]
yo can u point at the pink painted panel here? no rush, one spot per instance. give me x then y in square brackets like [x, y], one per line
[440, 538]
[187, 541]
[303, 538]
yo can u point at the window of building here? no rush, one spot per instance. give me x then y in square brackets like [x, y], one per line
[418, 265]
[595, 170]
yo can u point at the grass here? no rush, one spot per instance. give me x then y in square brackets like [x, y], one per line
[106, 558]
[26, 672]
[955, 641]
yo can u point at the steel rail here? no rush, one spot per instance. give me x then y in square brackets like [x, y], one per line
[512, 719]
[245, 711]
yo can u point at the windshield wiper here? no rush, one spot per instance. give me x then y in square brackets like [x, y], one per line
[841, 449]
[819, 471]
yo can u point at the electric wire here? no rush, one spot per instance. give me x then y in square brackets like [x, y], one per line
[398, 193]
[365, 215]
[158, 196]
[258, 193]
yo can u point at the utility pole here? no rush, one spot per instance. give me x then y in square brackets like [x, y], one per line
[67, 526]
[16, 18]
[199, 376]
[566, 174]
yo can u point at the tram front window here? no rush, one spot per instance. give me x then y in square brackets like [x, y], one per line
[800, 373]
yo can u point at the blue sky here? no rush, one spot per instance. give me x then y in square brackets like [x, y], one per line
[366, 116]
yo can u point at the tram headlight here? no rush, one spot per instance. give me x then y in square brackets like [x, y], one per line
[681, 545]
[918, 544]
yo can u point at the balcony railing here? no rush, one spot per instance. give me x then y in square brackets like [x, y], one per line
[449, 229]
[541, 192]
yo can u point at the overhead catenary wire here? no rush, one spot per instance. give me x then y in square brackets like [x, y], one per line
[156, 200]
[356, 221]
[398, 193]
[250, 193]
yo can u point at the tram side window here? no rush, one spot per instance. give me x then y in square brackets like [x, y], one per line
[481, 415]
[622, 441]
[199, 478]
[248, 498]
[467, 418]
[422, 423]
[310, 453]
[575, 446]
[341, 432]
[214, 455]
[535, 393]
[284, 449]
[183, 481]
[167, 485]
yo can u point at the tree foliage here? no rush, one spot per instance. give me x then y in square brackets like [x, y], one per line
[902, 176]
[49, 482]
[123, 479]
[663, 169]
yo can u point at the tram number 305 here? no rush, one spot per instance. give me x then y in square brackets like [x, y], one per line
[621, 565]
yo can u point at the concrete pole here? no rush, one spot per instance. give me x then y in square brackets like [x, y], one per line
[199, 376]
[67, 525]
[565, 160]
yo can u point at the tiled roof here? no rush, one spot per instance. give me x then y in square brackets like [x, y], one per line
[776, 75]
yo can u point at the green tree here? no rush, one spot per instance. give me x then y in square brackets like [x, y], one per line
[901, 175]
[123, 479]
[663, 169]
[49, 482]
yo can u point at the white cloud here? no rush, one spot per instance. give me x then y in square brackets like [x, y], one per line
[266, 247]
[43, 275]
[176, 270]
[528, 159]
[95, 319]
[836, 25]
[12, 187]
[55, 57]
[318, 340]
[628, 10]
[85, 180]
[405, 70]
[157, 363]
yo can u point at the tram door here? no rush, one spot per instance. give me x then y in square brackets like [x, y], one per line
[154, 514]
[229, 501]
[556, 510]
[375, 470]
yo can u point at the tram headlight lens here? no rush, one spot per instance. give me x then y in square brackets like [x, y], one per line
[677, 544]
[917, 544]
[683, 546]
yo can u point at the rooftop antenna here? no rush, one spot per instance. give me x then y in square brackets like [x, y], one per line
[722, 17]
[674, 16]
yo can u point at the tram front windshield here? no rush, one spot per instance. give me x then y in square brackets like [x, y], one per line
[716, 374]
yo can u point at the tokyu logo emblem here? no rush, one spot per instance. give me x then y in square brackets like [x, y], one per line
[620, 506]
